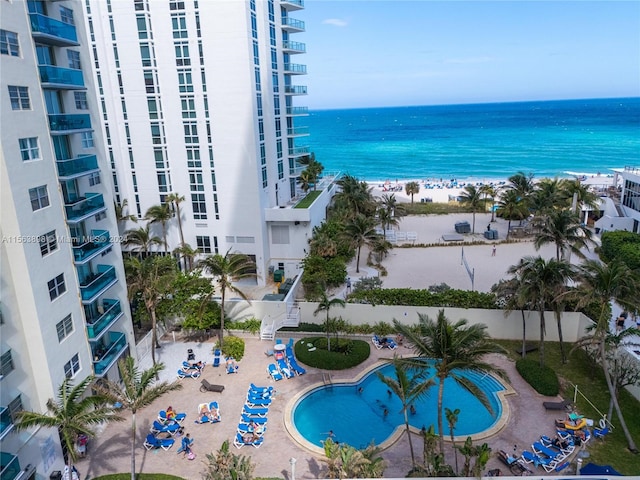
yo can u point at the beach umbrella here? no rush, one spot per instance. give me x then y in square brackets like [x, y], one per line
[593, 469]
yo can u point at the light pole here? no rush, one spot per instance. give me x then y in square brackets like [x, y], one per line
[293, 461]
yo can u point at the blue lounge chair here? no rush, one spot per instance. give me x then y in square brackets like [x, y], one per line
[553, 454]
[255, 389]
[190, 374]
[192, 366]
[246, 428]
[295, 367]
[216, 357]
[390, 344]
[290, 344]
[273, 371]
[258, 402]
[162, 417]
[284, 369]
[600, 432]
[376, 342]
[153, 442]
[537, 460]
[171, 429]
[248, 419]
[255, 411]
[555, 444]
[239, 441]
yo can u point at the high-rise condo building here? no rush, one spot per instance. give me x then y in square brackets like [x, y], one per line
[64, 309]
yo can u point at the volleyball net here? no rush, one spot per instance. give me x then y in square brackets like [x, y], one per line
[470, 271]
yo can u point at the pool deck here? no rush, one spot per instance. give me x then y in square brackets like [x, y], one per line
[110, 451]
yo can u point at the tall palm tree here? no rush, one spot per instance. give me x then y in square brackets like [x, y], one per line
[314, 168]
[489, 191]
[507, 293]
[547, 196]
[563, 228]
[455, 347]
[187, 253]
[522, 183]
[160, 214]
[174, 200]
[412, 188]
[150, 279]
[359, 231]
[603, 283]
[225, 270]
[135, 391]
[72, 413]
[408, 390]
[379, 248]
[512, 206]
[395, 209]
[122, 216]
[305, 180]
[141, 240]
[325, 305]
[583, 194]
[452, 419]
[472, 197]
[354, 197]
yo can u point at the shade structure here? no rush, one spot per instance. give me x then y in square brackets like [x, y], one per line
[593, 469]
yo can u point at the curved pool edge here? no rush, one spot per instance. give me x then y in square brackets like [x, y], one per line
[397, 433]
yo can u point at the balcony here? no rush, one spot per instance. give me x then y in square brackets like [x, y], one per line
[298, 131]
[6, 424]
[292, 47]
[61, 78]
[50, 31]
[83, 207]
[64, 124]
[292, 25]
[87, 248]
[9, 466]
[97, 283]
[107, 353]
[298, 151]
[295, 111]
[77, 167]
[295, 69]
[292, 4]
[295, 90]
[296, 171]
[96, 326]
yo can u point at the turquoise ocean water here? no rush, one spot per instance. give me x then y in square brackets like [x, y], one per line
[479, 141]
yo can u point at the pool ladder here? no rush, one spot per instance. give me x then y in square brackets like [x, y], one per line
[326, 378]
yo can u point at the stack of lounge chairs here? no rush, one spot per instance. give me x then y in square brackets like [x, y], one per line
[550, 454]
[383, 342]
[253, 419]
[286, 365]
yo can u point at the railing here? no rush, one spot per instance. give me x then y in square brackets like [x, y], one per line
[95, 283]
[90, 246]
[117, 345]
[60, 77]
[6, 424]
[297, 110]
[297, 151]
[61, 123]
[295, 131]
[9, 466]
[295, 68]
[294, 3]
[83, 207]
[294, 47]
[295, 89]
[113, 311]
[50, 30]
[289, 23]
[77, 166]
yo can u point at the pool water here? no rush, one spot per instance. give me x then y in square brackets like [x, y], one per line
[355, 413]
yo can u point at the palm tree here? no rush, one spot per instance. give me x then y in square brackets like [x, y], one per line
[325, 305]
[151, 279]
[408, 390]
[523, 184]
[412, 188]
[394, 209]
[135, 391]
[563, 228]
[512, 206]
[304, 180]
[547, 196]
[225, 270]
[581, 193]
[72, 414]
[472, 197]
[456, 347]
[174, 200]
[360, 230]
[314, 168]
[605, 282]
[507, 293]
[379, 247]
[354, 197]
[452, 419]
[489, 191]
[141, 240]
[188, 253]
[121, 213]
[160, 214]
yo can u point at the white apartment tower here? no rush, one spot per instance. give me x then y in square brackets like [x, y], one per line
[198, 100]
[64, 309]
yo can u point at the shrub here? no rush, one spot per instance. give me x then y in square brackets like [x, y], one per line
[251, 325]
[543, 379]
[622, 245]
[367, 283]
[424, 298]
[233, 347]
[345, 353]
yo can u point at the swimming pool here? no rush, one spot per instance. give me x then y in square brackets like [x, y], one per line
[355, 412]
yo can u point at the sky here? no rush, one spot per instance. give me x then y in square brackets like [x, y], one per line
[369, 53]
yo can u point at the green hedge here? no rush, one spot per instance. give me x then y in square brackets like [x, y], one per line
[622, 245]
[233, 347]
[424, 298]
[345, 353]
[543, 379]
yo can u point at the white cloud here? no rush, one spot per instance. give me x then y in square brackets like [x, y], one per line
[336, 22]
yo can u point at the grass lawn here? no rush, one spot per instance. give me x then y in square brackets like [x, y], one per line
[590, 380]
[434, 208]
[308, 199]
[358, 352]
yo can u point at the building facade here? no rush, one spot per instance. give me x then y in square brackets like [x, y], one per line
[198, 100]
[64, 309]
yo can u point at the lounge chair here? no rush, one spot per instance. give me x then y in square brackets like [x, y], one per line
[295, 367]
[190, 374]
[248, 419]
[600, 432]
[153, 442]
[255, 411]
[171, 429]
[563, 405]
[246, 428]
[216, 357]
[162, 417]
[551, 453]
[260, 390]
[273, 371]
[239, 441]
[515, 464]
[258, 401]
[538, 461]
[192, 366]
[209, 387]
[563, 446]
[390, 344]
[284, 369]
[376, 342]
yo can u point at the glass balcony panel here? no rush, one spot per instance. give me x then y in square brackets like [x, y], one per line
[61, 78]
[298, 151]
[84, 207]
[106, 353]
[62, 124]
[292, 4]
[88, 247]
[97, 282]
[5, 421]
[297, 131]
[295, 68]
[297, 110]
[51, 31]
[295, 89]
[112, 311]
[292, 24]
[9, 466]
[76, 167]
[294, 47]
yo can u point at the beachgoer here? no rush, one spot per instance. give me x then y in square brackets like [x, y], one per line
[360, 390]
[412, 410]
[489, 228]
[493, 250]
[348, 284]
[389, 392]
[187, 441]
[171, 415]
[385, 412]
[399, 339]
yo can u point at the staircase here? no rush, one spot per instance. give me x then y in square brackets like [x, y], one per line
[269, 326]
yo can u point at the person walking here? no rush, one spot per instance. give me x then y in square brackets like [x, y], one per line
[493, 250]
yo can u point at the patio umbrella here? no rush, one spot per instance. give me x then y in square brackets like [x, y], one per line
[593, 469]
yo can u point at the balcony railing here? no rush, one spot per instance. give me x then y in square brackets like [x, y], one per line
[295, 89]
[290, 46]
[112, 312]
[296, 171]
[292, 24]
[9, 466]
[6, 424]
[295, 69]
[96, 283]
[117, 342]
[77, 167]
[292, 4]
[298, 131]
[84, 207]
[84, 249]
[51, 31]
[298, 151]
[297, 110]
[63, 124]
[60, 78]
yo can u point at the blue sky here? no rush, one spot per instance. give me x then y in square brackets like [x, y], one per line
[393, 52]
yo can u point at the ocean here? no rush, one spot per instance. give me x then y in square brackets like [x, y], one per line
[478, 141]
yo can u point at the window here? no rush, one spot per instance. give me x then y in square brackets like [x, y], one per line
[94, 179]
[149, 82]
[138, 5]
[190, 133]
[274, 59]
[64, 328]
[199, 206]
[56, 286]
[162, 182]
[143, 34]
[74, 59]
[14, 407]
[156, 135]
[66, 15]
[203, 244]
[280, 235]
[188, 107]
[193, 157]
[81, 100]
[72, 366]
[6, 363]
[182, 53]
[19, 97]
[176, 5]
[280, 169]
[48, 243]
[9, 43]
[261, 129]
[265, 181]
[256, 72]
[185, 81]
[179, 23]
[145, 54]
[29, 149]
[39, 197]
[152, 105]
[87, 139]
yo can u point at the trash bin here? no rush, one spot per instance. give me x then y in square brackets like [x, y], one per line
[278, 275]
[55, 475]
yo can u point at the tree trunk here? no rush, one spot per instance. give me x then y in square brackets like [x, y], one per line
[328, 336]
[440, 429]
[541, 336]
[473, 228]
[133, 445]
[455, 450]
[164, 237]
[358, 261]
[493, 210]
[154, 335]
[221, 333]
[563, 355]
[524, 335]
[508, 230]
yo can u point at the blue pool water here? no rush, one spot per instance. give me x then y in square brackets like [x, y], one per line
[358, 418]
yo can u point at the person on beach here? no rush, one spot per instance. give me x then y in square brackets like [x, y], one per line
[493, 250]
